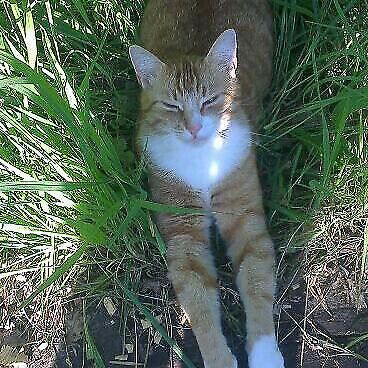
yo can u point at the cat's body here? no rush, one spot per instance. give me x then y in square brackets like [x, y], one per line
[197, 112]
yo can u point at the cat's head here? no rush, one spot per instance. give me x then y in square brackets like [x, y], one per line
[191, 98]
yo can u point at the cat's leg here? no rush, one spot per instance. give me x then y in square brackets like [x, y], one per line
[238, 209]
[193, 274]
[252, 254]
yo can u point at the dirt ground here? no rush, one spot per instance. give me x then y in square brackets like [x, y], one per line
[305, 334]
[308, 326]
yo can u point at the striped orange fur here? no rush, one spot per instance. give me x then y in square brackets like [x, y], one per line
[205, 70]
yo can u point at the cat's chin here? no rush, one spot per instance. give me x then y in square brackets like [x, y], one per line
[198, 140]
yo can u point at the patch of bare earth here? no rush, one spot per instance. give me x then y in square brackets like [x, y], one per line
[324, 309]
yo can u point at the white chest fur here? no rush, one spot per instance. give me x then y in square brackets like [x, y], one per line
[204, 165]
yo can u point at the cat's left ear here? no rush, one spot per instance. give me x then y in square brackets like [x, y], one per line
[146, 65]
[223, 52]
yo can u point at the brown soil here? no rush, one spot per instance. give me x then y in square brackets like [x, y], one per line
[313, 348]
[306, 335]
[311, 335]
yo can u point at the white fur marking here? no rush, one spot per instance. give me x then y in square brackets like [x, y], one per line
[265, 353]
[205, 164]
[218, 142]
[213, 169]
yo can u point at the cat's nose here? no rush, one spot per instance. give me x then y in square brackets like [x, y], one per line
[194, 128]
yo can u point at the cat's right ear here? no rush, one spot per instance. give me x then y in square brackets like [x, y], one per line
[146, 65]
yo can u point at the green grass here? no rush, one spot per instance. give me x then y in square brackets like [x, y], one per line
[72, 203]
[315, 126]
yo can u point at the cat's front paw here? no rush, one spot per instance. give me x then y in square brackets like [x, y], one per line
[265, 354]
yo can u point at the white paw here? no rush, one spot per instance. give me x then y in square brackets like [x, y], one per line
[265, 353]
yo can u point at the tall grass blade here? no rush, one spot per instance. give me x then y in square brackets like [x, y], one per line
[131, 296]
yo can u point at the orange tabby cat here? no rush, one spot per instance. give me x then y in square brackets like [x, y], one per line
[200, 98]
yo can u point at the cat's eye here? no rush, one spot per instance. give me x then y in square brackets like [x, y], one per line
[170, 106]
[210, 101]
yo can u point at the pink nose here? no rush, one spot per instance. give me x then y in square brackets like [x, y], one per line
[194, 128]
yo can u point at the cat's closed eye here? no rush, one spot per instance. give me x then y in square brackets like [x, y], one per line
[171, 106]
[210, 102]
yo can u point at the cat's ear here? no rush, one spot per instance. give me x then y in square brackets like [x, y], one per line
[223, 52]
[146, 65]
